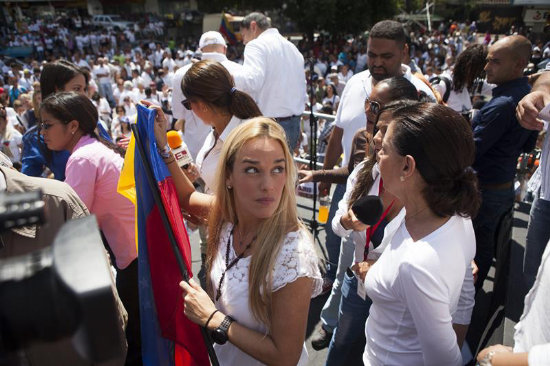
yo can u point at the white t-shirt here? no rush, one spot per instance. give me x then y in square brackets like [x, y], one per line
[275, 74]
[296, 259]
[460, 101]
[99, 70]
[351, 113]
[415, 288]
[10, 144]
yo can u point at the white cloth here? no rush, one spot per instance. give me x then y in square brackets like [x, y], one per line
[460, 101]
[275, 73]
[351, 112]
[10, 144]
[102, 70]
[532, 333]
[195, 129]
[359, 237]
[544, 169]
[296, 259]
[209, 155]
[415, 288]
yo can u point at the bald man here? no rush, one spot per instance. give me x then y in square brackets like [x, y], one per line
[499, 140]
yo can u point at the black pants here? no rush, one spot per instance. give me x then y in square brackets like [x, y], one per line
[127, 286]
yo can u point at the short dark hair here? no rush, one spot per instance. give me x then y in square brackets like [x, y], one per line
[389, 29]
[442, 144]
[261, 20]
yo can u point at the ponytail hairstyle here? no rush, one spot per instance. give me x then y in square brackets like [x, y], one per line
[365, 179]
[69, 106]
[210, 82]
[442, 144]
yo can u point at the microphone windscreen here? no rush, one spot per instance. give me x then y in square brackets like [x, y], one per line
[368, 209]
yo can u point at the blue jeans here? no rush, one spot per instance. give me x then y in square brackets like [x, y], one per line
[494, 204]
[292, 131]
[332, 241]
[329, 314]
[538, 234]
[348, 339]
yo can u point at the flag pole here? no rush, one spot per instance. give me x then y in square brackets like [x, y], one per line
[166, 223]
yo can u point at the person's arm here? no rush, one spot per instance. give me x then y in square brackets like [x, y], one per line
[80, 174]
[490, 126]
[283, 344]
[196, 203]
[530, 106]
[33, 161]
[332, 153]
[465, 306]
[254, 68]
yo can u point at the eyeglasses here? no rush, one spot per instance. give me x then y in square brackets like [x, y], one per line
[46, 126]
[187, 104]
[373, 106]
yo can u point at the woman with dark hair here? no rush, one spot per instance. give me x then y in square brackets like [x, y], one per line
[57, 76]
[210, 92]
[416, 284]
[331, 96]
[69, 123]
[466, 80]
[395, 88]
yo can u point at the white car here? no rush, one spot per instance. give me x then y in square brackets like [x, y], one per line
[111, 21]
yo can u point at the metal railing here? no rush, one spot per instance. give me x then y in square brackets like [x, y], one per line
[329, 118]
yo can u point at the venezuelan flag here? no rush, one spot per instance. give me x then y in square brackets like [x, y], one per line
[227, 30]
[167, 336]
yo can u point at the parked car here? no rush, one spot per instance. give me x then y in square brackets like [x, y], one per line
[111, 21]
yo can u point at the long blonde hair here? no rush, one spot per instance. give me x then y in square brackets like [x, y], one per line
[271, 232]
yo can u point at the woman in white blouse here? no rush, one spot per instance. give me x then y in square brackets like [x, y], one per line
[262, 267]
[417, 282]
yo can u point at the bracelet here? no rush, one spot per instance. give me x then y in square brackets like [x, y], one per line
[210, 318]
[487, 360]
[165, 152]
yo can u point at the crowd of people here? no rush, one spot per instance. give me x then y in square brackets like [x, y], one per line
[427, 122]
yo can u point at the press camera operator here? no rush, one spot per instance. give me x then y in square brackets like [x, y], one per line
[61, 205]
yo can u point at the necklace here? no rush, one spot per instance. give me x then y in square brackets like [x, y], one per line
[229, 265]
[408, 218]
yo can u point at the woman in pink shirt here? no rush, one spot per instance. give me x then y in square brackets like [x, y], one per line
[93, 169]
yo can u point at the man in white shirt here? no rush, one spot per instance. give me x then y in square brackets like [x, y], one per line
[213, 47]
[103, 75]
[386, 52]
[275, 74]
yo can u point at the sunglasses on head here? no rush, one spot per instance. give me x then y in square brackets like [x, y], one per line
[373, 106]
[187, 104]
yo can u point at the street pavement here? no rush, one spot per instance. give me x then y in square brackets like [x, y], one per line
[503, 322]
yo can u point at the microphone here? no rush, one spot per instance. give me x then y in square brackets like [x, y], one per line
[368, 209]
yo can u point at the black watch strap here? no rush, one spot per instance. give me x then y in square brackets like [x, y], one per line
[219, 335]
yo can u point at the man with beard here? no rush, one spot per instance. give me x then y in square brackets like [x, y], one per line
[387, 49]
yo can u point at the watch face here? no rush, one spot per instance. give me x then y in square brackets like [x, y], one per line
[219, 336]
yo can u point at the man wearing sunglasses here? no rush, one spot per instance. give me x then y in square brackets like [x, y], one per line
[386, 53]
[213, 47]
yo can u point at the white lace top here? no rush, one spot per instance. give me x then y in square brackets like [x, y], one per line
[296, 259]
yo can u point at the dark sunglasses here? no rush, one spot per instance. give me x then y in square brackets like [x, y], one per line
[187, 104]
[46, 126]
[374, 106]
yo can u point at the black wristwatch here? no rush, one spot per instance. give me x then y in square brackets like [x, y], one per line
[219, 335]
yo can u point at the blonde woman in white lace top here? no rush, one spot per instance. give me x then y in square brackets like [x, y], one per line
[262, 267]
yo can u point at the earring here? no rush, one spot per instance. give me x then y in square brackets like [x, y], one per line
[72, 133]
[402, 178]
[229, 187]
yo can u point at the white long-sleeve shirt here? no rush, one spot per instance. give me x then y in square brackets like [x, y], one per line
[533, 330]
[416, 288]
[275, 73]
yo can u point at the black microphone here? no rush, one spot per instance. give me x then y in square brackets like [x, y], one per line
[368, 209]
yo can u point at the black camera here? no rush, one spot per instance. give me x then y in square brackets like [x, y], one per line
[64, 291]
